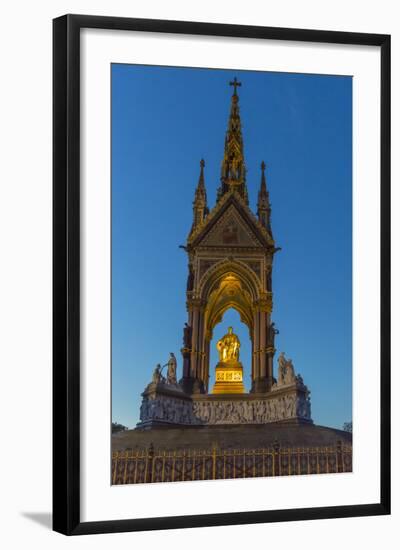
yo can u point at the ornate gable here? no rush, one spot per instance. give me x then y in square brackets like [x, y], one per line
[231, 224]
[230, 230]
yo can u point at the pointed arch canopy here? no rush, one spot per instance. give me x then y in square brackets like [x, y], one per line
[229, 284]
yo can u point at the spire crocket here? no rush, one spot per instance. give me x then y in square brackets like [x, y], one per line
[233, 169]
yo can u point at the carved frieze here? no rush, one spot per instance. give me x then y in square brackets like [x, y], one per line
[162, 408]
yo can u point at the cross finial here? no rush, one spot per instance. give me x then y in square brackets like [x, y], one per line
[263, 166]
[235, 83]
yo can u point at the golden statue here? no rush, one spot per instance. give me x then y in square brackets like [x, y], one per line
[228, 347]
[229, 371]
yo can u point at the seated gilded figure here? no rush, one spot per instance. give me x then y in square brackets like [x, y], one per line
[229, 371]
[228, 347]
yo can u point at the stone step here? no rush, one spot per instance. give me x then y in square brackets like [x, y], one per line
[288, 435]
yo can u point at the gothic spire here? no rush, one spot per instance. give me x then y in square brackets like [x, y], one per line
[263, 204]
[200, 209]
[233, 169]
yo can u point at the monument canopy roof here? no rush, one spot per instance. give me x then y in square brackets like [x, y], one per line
[231, 223]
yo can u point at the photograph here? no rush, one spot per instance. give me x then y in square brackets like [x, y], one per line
[231, 274]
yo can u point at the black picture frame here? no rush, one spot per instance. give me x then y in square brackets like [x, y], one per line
[66, 273]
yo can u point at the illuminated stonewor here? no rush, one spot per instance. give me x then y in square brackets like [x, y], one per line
[230, 253]
[230, 256]
[229, 371]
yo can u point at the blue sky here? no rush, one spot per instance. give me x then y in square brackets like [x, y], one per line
[164, 120]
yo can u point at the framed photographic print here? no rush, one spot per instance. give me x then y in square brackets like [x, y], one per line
[221, 274]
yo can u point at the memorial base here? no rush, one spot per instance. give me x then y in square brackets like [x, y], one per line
[228, 378]
[165, 405]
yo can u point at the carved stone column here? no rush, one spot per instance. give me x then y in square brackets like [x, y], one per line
[186, 379]
[196, 384]
[206, 361]
[269, 362]
[186, 362]
[270, 351]
[263, 343]
[255, 348]
[262, 380]
[201, 349]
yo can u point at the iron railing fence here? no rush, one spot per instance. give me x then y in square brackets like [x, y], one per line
[150, 466]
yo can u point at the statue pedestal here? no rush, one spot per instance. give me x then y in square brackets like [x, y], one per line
[228, 378]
